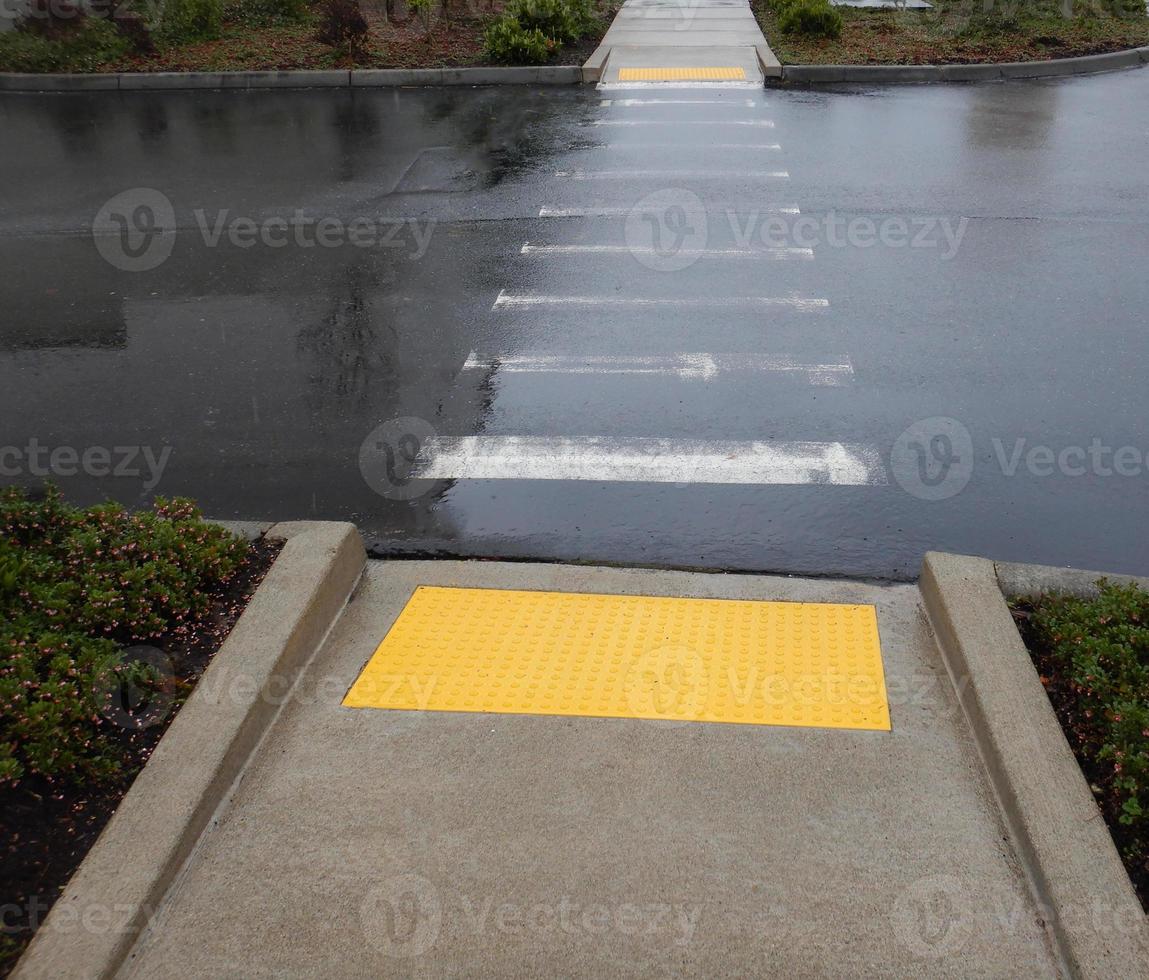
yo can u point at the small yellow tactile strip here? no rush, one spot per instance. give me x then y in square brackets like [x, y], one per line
[618, 656]
[681, 74]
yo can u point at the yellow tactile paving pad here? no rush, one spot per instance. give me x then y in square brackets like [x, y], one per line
[618, 656]
[723, 74]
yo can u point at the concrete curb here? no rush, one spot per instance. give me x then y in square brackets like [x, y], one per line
[1031, 581]
[121, 883]
[360, 78]
[1112, 61]
[1095, 919]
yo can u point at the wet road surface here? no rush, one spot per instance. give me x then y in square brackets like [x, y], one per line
[804, 331]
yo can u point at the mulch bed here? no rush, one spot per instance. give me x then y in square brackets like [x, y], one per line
[948, 34]
[450, 43]
[47, 827]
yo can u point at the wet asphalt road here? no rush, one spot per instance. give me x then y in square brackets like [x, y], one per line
[253, 374]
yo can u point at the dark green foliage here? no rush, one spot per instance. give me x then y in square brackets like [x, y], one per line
[814, 18]
[1094, 658]
[83, 46]
[562, 21]
[262, 13]
[507, 41]
[187, 21]
[76, 586]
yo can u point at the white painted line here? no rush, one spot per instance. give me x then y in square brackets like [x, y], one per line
[609, 212]
[689, 367]
[764, 123]
[603, 460]
[507, 300]
[777, 253]
[749, 103]
[674, 174]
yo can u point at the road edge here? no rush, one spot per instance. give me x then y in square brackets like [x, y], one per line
[586, 74]
[1062, 841]
[1056, 67]
[121, 883]
[249, 80]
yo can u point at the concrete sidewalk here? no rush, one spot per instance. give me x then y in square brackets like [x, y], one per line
[669, 35]
[366, 842]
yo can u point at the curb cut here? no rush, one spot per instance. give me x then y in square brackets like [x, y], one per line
[358, 78]
[901, 74]
[176, 796]
[1060, 838]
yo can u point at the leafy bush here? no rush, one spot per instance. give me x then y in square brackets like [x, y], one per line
[814, 18]
[263, 13]
[87, 45]
[1094, 658]
[75, 587]
[342, 25]
[507, 41]
[559, 20]
[186, 21]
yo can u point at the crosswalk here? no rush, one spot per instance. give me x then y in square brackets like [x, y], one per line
[678, 260]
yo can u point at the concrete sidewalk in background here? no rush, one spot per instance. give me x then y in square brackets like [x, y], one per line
[664, 34]
[367, 842]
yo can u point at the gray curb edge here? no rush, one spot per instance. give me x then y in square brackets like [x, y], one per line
[548, 75]
[176, 796]
[359, 78]
[1061, 839]
[1112, 61]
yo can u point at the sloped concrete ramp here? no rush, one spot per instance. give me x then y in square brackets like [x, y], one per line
[661, 34]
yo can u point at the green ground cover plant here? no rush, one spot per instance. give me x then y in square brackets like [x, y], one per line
[1093, 658]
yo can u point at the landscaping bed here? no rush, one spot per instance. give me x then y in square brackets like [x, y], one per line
[107, 620]
[280, 35]
[954, 32]
[1093, 659]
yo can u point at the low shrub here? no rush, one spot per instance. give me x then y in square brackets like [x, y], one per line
[813, 18]
[507, 41]
[86, 46]
[264, 13]
[76, 587]
[342, 25]
[559, 20]
[1094, 659]
[187, 21]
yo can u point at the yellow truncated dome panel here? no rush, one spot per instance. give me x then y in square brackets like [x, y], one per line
[716, 74]
[619, 656]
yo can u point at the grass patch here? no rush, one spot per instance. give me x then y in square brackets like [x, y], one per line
[962, 32]
[1093, 659]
